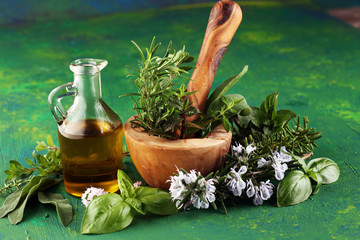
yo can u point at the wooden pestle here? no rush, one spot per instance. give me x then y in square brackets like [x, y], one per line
[225, 17]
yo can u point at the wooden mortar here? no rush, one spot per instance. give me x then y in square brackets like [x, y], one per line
[157, 158]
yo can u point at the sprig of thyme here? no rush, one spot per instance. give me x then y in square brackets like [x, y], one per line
[47, 165]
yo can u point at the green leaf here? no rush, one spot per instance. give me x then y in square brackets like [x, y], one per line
[269, 105]
[63, 208]
[129, 94]
[15, 165]
[156, 201]
[317, 177]
[220, 91]
[41, 146]
[50, 141]
[256, 117]
[136, 204]
[126, 186]
[240, 106]
[300, 161]
[226, 124]
[29, 161]
[327, 168]
[12, 201]
[283, 117]
[105, 214]
[17, 215]
[293, 189]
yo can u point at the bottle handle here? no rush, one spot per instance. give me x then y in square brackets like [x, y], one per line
[54, 99]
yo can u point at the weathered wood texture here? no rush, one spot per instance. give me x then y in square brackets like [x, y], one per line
[225, 17]
[157, 159]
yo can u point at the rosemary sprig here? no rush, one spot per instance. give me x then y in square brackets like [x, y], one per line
[161, 106]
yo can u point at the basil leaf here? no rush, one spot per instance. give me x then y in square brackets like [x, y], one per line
[155, 200]
[283, 117]
[12, 201]
[17, 215]
[327, 168]
[293, 189]
[136, 204]
[220, 91]
[317, 177]
[126, 186]
[240, 106]
[269, 105]
[63, 208]
[300, 161]
[105, 214]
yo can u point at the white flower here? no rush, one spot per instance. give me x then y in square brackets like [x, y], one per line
[90, 193]
[177, 188]
[201, 195]
[236, 184]
[250, 189]
[263, 163]
[209, 189]
[206, 190]
[250, 148]
[266, 190]
[257, 199]
[237, 150]
[191, 177]
[198, 203]
[280, 169]
[283, 156]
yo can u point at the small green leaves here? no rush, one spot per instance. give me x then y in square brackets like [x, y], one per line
[63, 208]
[327, 168]
[47, 165]
[270, 127]
[107, 213]
[293, 189]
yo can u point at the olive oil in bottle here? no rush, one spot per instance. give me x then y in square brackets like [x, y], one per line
[90, 132]
[91, 154]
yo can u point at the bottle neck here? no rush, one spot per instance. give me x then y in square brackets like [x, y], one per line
[88, 86]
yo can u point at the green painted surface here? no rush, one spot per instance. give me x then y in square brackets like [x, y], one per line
[311, 59]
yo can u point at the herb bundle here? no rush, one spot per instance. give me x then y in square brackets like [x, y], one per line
[265, 146]
[162, 106]
[23, 184]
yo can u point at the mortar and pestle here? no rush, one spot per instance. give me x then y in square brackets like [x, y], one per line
[157, 158]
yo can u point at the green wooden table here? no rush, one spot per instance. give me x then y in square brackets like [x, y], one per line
[309, 57]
